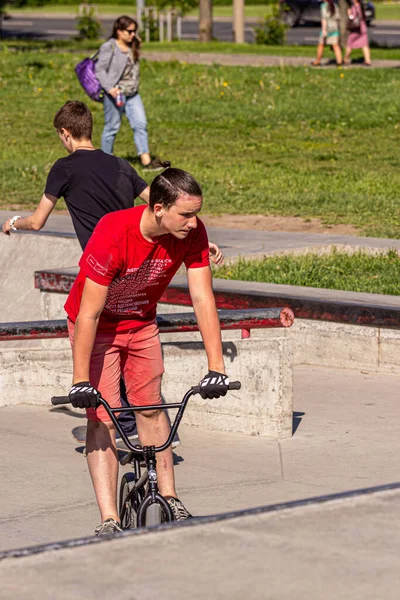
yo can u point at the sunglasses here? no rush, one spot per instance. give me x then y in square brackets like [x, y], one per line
[130, 31]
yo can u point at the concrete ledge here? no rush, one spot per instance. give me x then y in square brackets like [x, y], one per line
[319, 341]
[20, 256]
[32, 376]
[262, 407]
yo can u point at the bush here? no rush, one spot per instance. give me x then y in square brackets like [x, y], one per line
[88, 26]
[272, 30]
[181, 6]
[151, 21]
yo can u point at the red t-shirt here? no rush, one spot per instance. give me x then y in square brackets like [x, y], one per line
[135, 270]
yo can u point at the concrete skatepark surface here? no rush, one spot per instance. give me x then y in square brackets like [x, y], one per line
[346, 437]
[341, 549]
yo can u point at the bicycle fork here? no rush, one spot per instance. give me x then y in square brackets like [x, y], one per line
[153, 496]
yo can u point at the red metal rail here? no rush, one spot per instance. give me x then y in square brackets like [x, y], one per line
[353, 312]
[229, 319]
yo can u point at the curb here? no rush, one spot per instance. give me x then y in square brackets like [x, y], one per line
[273, 508]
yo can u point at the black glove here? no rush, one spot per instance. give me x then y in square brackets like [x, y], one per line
[84, 395]
[214, 385]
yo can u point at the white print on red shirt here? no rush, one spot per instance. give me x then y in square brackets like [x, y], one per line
[124, 293]
[96, 266]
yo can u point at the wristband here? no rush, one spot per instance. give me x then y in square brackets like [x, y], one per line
[12, 222]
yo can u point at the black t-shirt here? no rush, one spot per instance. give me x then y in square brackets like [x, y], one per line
[93, 184]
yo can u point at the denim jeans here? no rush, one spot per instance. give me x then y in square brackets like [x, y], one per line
[134, 110]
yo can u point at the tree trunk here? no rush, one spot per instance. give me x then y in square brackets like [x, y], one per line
[238, 21]
[205, 21]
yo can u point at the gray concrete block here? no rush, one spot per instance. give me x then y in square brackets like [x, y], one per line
[335, 345]
[264, 404]
[262, 407]
[338, 345]
[388, 350]
[20, 256]
[33, 376]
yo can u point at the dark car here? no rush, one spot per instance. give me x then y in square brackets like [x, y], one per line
[294, 11]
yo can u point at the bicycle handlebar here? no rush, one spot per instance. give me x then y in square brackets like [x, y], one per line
[57, 400]
[137, 450]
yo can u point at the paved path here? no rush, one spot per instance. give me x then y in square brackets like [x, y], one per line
[242, 242]
[62, 26]
[346, 437]
[254, 60]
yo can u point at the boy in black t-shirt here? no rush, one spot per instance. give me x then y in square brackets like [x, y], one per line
[91, 182]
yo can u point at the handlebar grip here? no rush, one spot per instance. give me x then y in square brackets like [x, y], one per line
[234, 385]
[56, 400]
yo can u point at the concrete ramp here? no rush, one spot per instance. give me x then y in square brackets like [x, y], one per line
[21, 254]
[343, 546]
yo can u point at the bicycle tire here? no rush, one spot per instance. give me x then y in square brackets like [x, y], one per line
[154, 514]
[128, 508]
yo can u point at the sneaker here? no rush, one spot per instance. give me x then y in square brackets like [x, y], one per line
[131, 437]
[156, 165]
[107, 528]
[175, 442]
[178, 510]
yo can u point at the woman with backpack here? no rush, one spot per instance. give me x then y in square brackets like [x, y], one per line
[329, 32]
[118, 70]
[358, 32]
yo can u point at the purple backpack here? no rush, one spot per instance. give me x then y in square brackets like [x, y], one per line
[86, 73]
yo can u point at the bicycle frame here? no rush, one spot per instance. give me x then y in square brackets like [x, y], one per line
[149, 454]
[137, 452]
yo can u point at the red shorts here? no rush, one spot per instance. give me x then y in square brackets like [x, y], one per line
[134, 355]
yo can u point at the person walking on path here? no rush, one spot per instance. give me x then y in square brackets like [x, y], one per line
[125, 268]
[358, 36]
[118, 70]
[330, 26]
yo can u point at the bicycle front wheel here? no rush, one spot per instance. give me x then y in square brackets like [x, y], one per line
[128, 502]
[154, 515]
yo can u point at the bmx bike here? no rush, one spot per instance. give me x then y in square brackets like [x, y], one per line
[140, 503]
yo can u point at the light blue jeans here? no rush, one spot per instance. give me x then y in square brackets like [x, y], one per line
[134, 110]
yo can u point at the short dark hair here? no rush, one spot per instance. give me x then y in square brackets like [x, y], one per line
[77, 118]
[169, 185]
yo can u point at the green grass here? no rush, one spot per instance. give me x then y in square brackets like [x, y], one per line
[122, 9]
[358, 272]
[195, 47]
[390, 12]
[383, 11]
[104, 9]
[284, 141]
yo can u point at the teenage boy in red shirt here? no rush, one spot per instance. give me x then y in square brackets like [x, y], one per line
[92, 184]
[125, 268]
